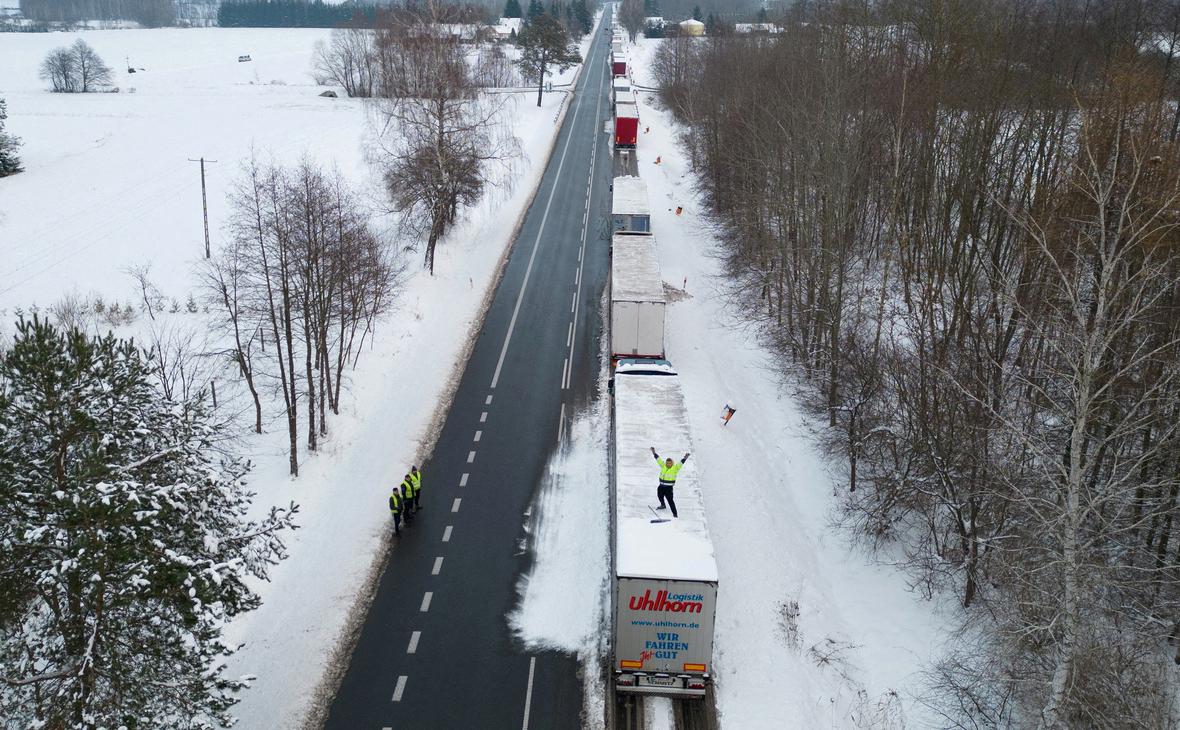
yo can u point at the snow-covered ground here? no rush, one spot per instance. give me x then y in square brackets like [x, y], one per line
[811, 632]
[109, 185]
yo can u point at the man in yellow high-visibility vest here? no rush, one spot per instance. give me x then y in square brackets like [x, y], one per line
[668, 471]
[407, 490]
[395, 509]
[416, 480]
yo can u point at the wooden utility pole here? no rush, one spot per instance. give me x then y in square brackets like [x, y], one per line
[204, 202]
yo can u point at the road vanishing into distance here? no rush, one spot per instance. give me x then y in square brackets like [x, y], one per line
[435, 650]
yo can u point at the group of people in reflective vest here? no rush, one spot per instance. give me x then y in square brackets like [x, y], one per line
[406, 499]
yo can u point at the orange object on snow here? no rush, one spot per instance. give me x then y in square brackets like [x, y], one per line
[657, 159]
[679, 209]
[727, 413]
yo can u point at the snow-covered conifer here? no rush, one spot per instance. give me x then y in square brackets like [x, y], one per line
[9, 161]
[124, 542]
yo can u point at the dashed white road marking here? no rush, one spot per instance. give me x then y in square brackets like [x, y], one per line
[478, 436]
[447, 533]
[581, 250]
[537, 242]
[528, 695]
[455, 504]
[483, 417]
[401, 687]
[569, 335]
[426, 597]
[413, 647]
[463, 479]
[437, 566]
[470, 456]
[487, 401]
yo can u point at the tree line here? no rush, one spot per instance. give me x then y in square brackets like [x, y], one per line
[958, 224]
[149, 13]
[290, 13]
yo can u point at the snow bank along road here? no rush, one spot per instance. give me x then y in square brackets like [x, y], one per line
[435, 650]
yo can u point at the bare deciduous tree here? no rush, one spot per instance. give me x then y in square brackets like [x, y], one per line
[348, 60]
[300, 286]
[75, 69]
[632, 17]
[967, 244]
[442, 135]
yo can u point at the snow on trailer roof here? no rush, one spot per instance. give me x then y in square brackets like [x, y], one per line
[635, 270]
[626, 110]
[630, 196]
[649, 411]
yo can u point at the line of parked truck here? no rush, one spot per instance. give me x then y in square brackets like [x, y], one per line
[664, 595]
[626, 112]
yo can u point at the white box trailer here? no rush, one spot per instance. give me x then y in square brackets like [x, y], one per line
[621, 83]
[630, 213]
[636, 298]
[664, 597]
[624, 97]
[616, 46]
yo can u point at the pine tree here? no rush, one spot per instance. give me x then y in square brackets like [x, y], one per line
[512, 9]
[536, 10]
[584, 16]
[696, 12]
[9, 161]
[544, 45]
[125, 542]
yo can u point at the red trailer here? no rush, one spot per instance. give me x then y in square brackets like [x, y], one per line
[626, 125]
[618, 65]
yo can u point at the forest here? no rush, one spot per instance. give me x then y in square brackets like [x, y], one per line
[149, 13]
[288, 13]
[957, 222]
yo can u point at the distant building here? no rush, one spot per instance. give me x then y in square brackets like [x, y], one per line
[692, 27]
[462, 32]
[505, 27]
[767, 28]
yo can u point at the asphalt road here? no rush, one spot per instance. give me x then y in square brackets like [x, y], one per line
[435, 650]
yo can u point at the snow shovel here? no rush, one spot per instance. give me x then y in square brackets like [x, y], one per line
[658, 519]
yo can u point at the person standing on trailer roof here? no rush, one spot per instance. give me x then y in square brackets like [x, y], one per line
[668, 471]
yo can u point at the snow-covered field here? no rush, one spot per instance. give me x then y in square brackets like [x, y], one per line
[109, 185]
[811, 632]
